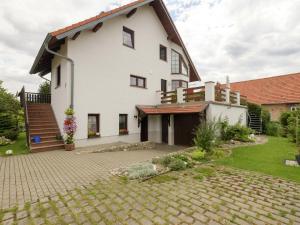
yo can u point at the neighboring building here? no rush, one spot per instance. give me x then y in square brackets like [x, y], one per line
[276, 94]
[128, 61]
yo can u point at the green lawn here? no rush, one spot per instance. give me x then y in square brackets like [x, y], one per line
[19, 147]
[268, 158]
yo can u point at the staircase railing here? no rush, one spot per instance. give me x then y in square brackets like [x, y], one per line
[23, 101]
[38, 98]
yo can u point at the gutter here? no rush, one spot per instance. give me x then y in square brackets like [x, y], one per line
[72, 71]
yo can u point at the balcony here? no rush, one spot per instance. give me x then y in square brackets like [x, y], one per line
[208, 93]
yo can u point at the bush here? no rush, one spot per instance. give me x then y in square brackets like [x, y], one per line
[198, 155]
[284, 118]
[177, 164]
[292, 126]
[205, 136]
[273, 129]
[260, 112]
[10, 134]
[141, 171]
[236, 132]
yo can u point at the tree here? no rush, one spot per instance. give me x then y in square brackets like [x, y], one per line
[8, 102]
[9, 114]
[45, 88]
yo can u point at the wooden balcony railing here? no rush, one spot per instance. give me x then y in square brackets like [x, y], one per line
[194, 94]
[38, 98]
[169, 97]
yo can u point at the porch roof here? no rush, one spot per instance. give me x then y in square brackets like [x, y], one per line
[172, 108]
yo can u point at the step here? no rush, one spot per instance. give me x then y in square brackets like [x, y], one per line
[40, 126]
[43, 130]
[47, 148]
[44, 134]
[47, 143]
[42, 120]
[49, 138]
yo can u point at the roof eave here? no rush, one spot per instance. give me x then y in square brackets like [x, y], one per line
[40, 53]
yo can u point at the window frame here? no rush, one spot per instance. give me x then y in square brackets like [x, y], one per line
[166, 53]
[181, 63]
[137, 78]
[180, 84]
[97, 125]
[123, 131]
[131, 33]
[58, 76]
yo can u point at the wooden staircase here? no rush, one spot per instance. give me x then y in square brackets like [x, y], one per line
[42, 123]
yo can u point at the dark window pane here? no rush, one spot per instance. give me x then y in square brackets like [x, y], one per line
[93, 125]
[141, 82]
[58, 76]
[163, 53]
[132, 81]
[128, 37]
[137, 81]
[123, 124]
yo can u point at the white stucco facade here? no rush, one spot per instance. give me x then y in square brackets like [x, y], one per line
[103, 66]
[233, 113]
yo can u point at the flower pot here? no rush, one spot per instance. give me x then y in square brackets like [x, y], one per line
[298, 159]
[69, 147]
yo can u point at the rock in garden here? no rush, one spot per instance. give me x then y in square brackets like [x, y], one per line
[9, 152]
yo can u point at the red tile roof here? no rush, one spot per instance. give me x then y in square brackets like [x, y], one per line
[99, 16]
[173, 108]
[272, 90]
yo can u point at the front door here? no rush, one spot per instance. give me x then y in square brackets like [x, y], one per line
[144, 129]
[165, 126]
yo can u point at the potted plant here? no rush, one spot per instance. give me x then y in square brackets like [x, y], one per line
[69, 129]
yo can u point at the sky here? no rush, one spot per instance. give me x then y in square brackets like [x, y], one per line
[244, 40]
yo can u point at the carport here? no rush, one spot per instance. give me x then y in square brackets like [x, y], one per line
[177, 121]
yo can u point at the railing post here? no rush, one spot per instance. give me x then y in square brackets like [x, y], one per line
[238, 98]
[180, 92]
[227, 94]
[210, 91]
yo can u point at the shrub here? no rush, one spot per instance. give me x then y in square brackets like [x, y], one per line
[10, 134]
[205, 136]
[165, 161]
[284, 117]
[4, 141]
[177, 164]
[292, 132]
[236, 132]
[141, 171]
[273, 129]
[198, 155]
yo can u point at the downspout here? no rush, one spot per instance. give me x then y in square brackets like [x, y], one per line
[72, 71]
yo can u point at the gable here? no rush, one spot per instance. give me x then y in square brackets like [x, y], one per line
[54, 40]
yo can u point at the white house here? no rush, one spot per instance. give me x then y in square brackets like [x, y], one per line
[126, 73]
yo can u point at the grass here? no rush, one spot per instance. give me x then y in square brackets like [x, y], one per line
[19, 147]
[267, 158]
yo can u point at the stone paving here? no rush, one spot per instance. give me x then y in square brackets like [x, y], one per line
[209, 195]
[26, 178]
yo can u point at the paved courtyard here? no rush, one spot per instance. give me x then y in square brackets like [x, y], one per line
[227, 196]
[27, 178]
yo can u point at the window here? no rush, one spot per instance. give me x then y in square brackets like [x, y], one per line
[93, 125]
[163, 85]
[179, 83]
[136, 81]
[123, 124]
[128, 37]
[178, 65]
[163, 52]
[175, 62]
[58, 76]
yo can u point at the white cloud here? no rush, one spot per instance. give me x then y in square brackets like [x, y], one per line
[244, 39]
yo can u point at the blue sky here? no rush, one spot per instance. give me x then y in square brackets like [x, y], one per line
[244, 39]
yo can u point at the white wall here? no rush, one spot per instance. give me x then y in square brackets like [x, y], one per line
[102, 74]
[60, 96]
[234, 114]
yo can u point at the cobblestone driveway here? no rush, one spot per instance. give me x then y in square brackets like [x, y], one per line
[227, 197]
[26, 178]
